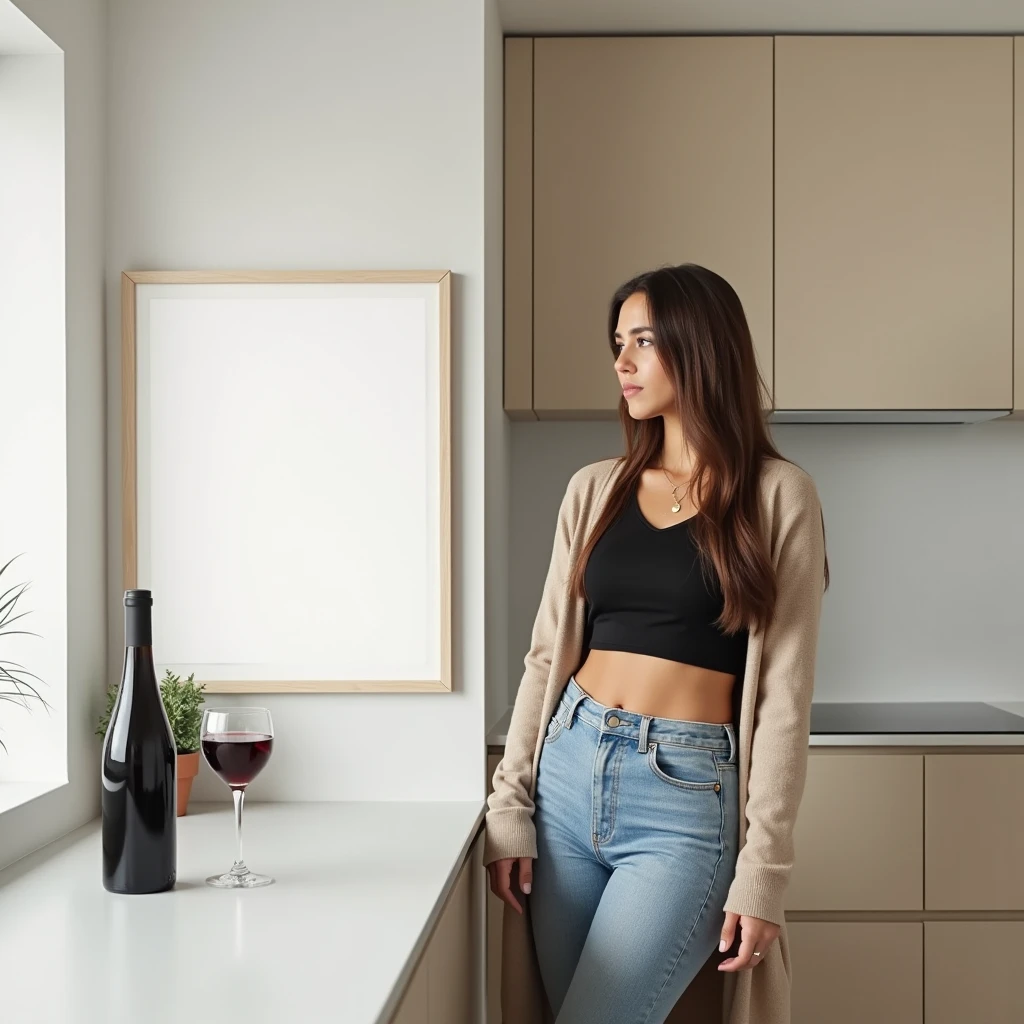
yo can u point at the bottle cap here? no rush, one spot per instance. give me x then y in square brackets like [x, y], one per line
[138, 598]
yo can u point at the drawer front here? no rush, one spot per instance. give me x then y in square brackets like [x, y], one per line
[859, 834]
[972, 972]
[855, 972]
[974, 831]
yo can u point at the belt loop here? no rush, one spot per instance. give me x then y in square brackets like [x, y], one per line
[645, 721]
[572, 710]
[732, 743]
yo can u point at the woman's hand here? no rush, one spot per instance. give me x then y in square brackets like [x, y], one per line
[755, 936]
[500, 874]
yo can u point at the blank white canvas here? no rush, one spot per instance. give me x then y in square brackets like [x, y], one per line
[288, 479]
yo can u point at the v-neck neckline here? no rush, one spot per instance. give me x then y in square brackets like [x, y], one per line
[650, 526]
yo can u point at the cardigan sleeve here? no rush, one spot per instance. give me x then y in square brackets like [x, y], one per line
[782, 712]
[509, 829]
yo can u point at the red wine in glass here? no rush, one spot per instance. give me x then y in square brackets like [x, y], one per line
[237, 757]
[237, 743]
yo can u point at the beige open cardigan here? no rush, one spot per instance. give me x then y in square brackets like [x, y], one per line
[773, 731]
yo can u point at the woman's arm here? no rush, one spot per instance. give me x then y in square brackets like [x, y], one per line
[778, 760]
[509, 828]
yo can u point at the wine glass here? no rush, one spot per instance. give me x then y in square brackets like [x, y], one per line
[237, 743]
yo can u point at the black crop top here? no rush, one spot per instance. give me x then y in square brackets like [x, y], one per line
[646, 593]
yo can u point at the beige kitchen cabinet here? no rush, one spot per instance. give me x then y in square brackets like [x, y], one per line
[442, 989]
[972, 972]
[974, 831]
[894, 222]
[494, 916]
[643, 151]
[518, 229]
[851, 972]
[1018, 221]
[858, 836]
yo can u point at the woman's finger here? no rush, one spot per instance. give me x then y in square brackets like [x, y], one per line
[504, 872]
[728, 931]
[526, 874]
[742, 960]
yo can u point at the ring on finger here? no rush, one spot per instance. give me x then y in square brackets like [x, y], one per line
[755, 953]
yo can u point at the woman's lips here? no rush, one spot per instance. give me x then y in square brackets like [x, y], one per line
[630, 389]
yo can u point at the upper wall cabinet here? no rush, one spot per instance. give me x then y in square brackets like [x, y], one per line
[1018, 221]
[643, 151]
[894, 223]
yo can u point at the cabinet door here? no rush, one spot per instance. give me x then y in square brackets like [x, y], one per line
[974, 831]
[451, 988]
[494, 918]
[1018, 221]
[442, 989]
[893, 222]
[518, 228]
[852, 972]
[413, 1008]
[647, 150]
[858, 836]
[972, 972]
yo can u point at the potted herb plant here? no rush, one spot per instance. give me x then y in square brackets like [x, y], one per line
[183, 701]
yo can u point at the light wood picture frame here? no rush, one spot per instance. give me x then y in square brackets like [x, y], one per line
[279, 432]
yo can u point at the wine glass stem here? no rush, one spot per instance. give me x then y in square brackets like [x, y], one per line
[239, 867]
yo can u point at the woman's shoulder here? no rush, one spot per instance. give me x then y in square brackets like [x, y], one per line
[589, 480]
[787, 487]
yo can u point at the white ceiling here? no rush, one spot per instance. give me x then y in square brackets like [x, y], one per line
[591, 17]
[19, 35]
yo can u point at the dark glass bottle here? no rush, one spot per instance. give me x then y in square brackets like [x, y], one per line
[139, 768]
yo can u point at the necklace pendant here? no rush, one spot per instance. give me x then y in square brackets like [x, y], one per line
[676, 507]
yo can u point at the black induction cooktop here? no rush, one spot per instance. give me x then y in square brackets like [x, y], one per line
[859, 718]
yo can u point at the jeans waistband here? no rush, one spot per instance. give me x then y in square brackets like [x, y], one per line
[576, 703]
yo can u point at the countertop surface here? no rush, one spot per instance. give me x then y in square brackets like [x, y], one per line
[359, 886]
[923, 723]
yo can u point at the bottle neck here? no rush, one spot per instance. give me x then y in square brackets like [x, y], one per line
[138, 626]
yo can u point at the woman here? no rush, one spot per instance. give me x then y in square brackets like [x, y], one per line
[657, 749]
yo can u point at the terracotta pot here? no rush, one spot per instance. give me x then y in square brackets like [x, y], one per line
[188, 768]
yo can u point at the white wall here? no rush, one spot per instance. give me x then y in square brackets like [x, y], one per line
[33, 478]
[78, 27]
[317, 134]
[925, 542]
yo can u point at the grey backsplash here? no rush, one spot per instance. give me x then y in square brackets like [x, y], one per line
[925, 533]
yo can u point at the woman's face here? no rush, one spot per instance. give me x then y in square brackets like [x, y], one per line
[637, 363]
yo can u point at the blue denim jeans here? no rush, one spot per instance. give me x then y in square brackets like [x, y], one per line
[637, 836]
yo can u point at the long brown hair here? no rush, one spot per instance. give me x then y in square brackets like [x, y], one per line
[704, 343]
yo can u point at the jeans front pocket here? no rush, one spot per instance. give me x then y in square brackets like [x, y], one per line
[685, 766]
[554, 725]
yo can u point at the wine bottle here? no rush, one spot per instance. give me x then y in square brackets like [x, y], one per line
[139, 768]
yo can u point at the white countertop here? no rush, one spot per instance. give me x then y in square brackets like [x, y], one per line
[358, 889]
[498, 733]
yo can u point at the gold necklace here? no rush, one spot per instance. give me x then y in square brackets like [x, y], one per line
[677, 504]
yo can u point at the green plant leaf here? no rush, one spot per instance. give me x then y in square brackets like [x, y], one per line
[14, 676]
[183, 701]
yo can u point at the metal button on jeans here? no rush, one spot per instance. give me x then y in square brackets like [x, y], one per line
[614, 720]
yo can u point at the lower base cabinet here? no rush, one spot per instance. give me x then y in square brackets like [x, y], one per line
[972, 972]
[862, 972]
[442, 989]
[494, 914]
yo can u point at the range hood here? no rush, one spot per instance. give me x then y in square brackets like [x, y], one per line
[886, 415]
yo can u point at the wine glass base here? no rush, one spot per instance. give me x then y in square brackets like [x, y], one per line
[243, 880]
